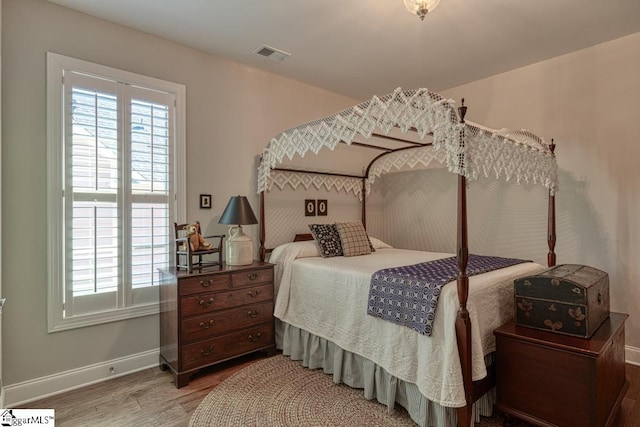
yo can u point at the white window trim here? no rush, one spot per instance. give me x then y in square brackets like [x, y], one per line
[55, 65]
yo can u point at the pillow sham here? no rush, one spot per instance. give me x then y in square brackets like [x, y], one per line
[378, 244]
[354, 238]
[328, 239]
[306, 249]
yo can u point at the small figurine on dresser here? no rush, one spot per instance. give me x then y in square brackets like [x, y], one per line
[196, 241]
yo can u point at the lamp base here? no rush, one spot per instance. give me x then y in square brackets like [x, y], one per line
[239, 247]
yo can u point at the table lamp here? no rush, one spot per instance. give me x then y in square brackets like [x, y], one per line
[239, 246]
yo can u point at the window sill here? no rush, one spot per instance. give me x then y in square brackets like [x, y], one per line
[104, 317]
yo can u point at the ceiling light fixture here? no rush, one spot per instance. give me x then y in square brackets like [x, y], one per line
[420, 7]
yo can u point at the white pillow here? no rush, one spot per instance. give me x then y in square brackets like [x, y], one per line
[304, 249]
[378, 244]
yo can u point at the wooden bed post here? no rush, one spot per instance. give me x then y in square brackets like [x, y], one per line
[262, 228]
[364, 203]
[463, 322]
[551, 222]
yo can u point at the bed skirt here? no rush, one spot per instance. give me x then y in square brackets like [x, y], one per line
[358, 372]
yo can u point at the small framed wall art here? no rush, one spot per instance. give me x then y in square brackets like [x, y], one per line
[205, 201]
[322, 207]
[309, 207]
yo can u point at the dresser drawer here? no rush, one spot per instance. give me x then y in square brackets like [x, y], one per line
[210, 302]
[220, 322]
[226, 346]
[250, 277]
[214, 315]
[200, 284]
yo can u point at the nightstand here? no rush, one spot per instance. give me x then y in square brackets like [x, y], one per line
[550, 379]
[214, 315]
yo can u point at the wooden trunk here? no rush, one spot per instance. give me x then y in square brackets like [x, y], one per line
[568, 299]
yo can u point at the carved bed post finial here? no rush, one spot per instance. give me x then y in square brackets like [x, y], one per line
[463, 321]
[462, 111]
[551, 221]
[263, 251]
[462, 247]
[364, 202]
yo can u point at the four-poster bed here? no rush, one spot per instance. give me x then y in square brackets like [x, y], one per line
[466, 149]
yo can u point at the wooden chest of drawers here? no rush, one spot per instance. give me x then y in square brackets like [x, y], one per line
[213, 316]
[550, 379]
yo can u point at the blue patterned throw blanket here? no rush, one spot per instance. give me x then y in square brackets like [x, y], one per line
[408, 295]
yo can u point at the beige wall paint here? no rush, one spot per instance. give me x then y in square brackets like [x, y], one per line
[584, 100]
[504, 219]
[587, 101]
[232, 111]
[1, 380]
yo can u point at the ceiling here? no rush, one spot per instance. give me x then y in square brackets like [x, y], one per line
[359, 48]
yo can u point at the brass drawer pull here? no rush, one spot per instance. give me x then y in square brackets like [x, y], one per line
[207, 325]
[204, 303]
[252, 276]
[254, 293]
[208, 351]
[252, 313]
[256, 338]
[207, 283]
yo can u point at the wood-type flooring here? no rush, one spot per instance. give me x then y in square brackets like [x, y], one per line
[149, 398]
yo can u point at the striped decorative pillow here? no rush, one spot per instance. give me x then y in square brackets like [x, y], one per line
[354, 238]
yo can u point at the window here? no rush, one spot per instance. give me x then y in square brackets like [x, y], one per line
[116, 160]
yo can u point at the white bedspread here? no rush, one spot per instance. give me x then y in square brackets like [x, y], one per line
[328, 297]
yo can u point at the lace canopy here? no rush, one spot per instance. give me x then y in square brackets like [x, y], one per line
[316, 179]
[464, 148]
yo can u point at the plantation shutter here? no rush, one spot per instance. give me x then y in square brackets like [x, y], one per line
[116, 192]
[149, 160]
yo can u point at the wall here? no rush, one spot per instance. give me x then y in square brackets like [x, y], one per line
[1, 381]
[285, 214]
[232, 111]
[585, 101]
[582, 100]
[420, 212]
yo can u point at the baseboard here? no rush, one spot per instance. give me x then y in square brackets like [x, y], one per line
[632, 355]
[32, 390]
[39, 388]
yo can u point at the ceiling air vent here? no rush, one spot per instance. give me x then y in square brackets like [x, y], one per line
[271, 53]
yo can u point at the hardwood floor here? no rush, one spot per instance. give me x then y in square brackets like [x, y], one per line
[630, 409]
[149, 398]
[146, 398]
